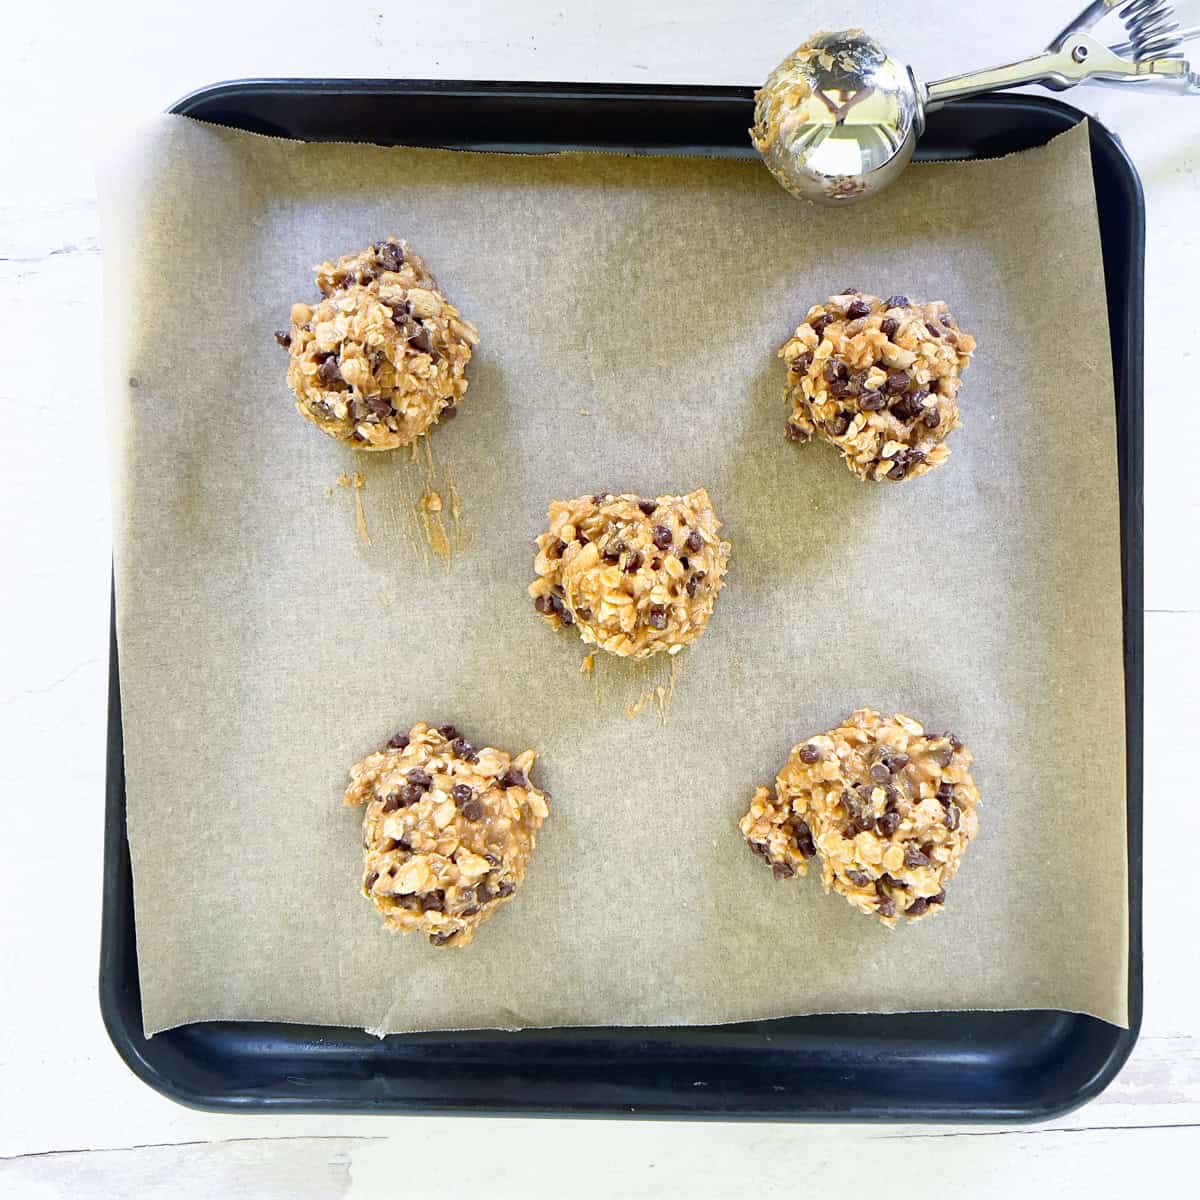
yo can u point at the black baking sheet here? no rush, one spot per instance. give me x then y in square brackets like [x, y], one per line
[914, 1066]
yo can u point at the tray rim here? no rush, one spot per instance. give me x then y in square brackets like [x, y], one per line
[130, 1042]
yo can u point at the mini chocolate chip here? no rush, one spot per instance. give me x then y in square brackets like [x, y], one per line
[329, 371]
[892, 794]
[888, 824]
[634, 563]
[505, 888]
[897, 470]
[955, 742]
[694, 541]
[448, 732]
[421, 340]
[917, 907]
[566, 617]
[434, 901]
[810, 753]
[872, 401]
[888, 327]
[369, 882]
[804, 837]
[896, 302]
[391, 802]
[932, 418]
[377, 406]
[952, 815]
[818, 323]
[794, 433]
[940, 898]
[662, 537]
[462, 747]
[887, 907]
[857, 308]
[914, 857]
[934, 330]
[514, 777]
[800, 363]
[656, 618]
[835, 369]
[839, 425]
[398, 741]
[449, 412]
[543, 604]
[419, 778]
[470, 911]
[283, 338]
[896, 762]
[473, 810]
[858, 878]
[483, 893]
[648, 507]
[845, 387]
[389, 256]
[897, 381]
[692, 584]
[912, 457]
[945, 790]
[461, 793]
[782, 870]
[410, 793]
[880, 773]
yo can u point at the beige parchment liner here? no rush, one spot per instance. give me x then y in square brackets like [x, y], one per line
[629, 309]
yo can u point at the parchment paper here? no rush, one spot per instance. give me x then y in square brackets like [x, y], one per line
[630, 309]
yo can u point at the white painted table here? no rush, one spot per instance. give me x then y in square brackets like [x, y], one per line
[73, 1120]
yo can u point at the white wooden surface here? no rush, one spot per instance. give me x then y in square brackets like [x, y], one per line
[73, 1120]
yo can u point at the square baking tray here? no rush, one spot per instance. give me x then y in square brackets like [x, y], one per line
[941, 1066]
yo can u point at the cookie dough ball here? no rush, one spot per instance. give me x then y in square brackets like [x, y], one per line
[888, 809]
[448, 830]
[382, 358]
[879, 380]
[635, 576]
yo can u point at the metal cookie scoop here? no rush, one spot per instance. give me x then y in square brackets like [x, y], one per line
[838, 119]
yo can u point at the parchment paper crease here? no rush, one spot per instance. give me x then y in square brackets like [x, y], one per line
[264, 647]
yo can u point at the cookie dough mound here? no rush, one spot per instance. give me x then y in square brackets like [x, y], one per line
[382, 358]
[635, 576]
[888, 809]
[448, 830]
[879, 380]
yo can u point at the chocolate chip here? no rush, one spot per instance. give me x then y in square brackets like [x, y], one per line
[543, 604]
[505, 888]
[858, 878]
[839, 425]
[662, 537]
[400, 311]
[449, 412]
[760, 848]
[410, 793]
[818, 323]
[887, 825]
[566, 616]
[491, 858]
[800, 363]
[896, 302]
[433, 901]
[514, 777]
[692, 584]
[391, 802]
[880, 773]
[555, 549]
[421, 340]
[835, 369]
[810, 753]
[898, 469]
[887, 907]
[473, 810]
[896, 762]
[694, 541]
[857, 308]
[419, 778]
[656, 618]
[283, 338]
[897, 381]
[469, 911]
[845, 387]
[804, 837]
[402, 844]
[648, 507]
[782, 870]
[633, 563]
[389, 256]
[892, 794]
[942, 755]
[611, 557]
[462, 748]
[955, 742]
[483, 893]
[461, 793]
[583, 612]
[794, 433]
[369, 882]
[448, 732]
[932, 418]
[872, 401]
[329, 372]
[934, 330]
[912, 457]
[945, 790]
[917, 907]
[398, 741]
[440, 939]
[914, 857]
[952, 816]
[888, 327]
[940, 898]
